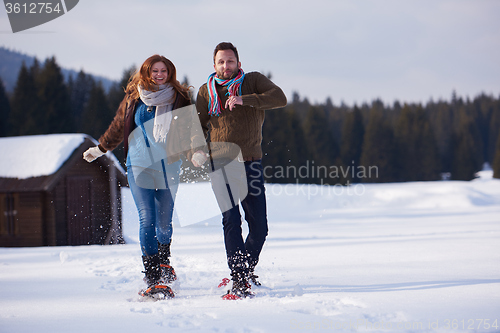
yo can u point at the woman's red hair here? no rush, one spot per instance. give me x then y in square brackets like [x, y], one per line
[143, 78]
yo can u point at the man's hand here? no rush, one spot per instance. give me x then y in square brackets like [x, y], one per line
[199, 158]
[232, 101]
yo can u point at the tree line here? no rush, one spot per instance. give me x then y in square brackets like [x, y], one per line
[303, 142]
[374, 143]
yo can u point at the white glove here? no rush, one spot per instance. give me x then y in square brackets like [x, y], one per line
[92, 153]
[199, 158]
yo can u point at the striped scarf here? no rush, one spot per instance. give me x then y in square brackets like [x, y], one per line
[234, 89]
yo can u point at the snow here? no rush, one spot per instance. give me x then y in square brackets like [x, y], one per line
[39, 155]
[36, 155]
[405, 257]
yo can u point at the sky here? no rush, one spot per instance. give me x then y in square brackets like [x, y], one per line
[348, 51]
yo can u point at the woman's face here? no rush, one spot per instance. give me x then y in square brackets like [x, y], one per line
[159, 73]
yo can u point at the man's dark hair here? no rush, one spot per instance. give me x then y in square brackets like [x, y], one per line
[226, 46]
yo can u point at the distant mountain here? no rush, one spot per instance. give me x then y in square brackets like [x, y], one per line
[11, 62]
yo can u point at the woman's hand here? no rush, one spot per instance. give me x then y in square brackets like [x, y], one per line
[199, 158]
[92, 153]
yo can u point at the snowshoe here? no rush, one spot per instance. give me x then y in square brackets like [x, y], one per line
[158, 292]
[225, 282]
[156, 289]
[235, 295]
[230, 296]
[240, 288]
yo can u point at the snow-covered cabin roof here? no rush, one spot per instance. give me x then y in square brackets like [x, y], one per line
[24, 157]
[38, 162]
[36, 155]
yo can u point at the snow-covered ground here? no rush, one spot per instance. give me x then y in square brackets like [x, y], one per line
[407, 257]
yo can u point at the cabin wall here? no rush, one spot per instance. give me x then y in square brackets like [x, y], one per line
[88, 220]
[21, 221]
[48, 213]
[74, 208]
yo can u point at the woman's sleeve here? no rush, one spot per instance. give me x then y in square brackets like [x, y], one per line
[114, 134]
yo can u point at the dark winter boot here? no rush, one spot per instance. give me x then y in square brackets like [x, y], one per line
[251, 275]
[253, 278]
[151, 269]
[167, 271]
[152, 278]
[240, 288]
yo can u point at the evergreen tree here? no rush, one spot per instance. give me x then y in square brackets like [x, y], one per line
[275, 145]
[335, 117]
[35, 70]
[116, 92]
[353, 132]
[26, 118]
[496, 161]
[417, 155]
[481, 108]
[441, 117]
[4, 110]
[96, 115]
[427, 149]
[55, 100]
[297, 141]
[79, 90]
[494, 131]
[377, 158]
[284, 146]
[406, 162]
[324, 151]
[467, 152]
[301, 107]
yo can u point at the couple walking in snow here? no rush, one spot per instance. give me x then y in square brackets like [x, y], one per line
[157, 125]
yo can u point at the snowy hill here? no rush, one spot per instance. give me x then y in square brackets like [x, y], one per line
[407, 257]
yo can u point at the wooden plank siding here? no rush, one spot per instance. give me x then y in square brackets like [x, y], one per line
[48, 216]
[70, 207]
[98, 186]
[25, 226]
[78, 210]
[29, 217]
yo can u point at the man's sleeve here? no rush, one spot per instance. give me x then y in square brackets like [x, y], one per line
[266, 94]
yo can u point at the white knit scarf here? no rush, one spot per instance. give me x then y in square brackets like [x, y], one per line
[163, 99]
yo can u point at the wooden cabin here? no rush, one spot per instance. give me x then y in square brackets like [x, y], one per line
[50, 196]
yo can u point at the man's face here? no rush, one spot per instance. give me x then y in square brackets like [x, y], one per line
[226, 66]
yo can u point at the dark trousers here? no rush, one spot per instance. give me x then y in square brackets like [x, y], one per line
[243, 255]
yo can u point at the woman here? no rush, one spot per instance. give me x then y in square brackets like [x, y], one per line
[148, 123]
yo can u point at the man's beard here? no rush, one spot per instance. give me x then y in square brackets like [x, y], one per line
[233, 74]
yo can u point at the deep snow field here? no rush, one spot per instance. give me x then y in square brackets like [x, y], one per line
[405, 257]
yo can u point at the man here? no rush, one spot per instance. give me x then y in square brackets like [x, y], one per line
[231, 108]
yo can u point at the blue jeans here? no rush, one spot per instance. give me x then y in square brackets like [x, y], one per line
[243, 255]
[154, 194]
